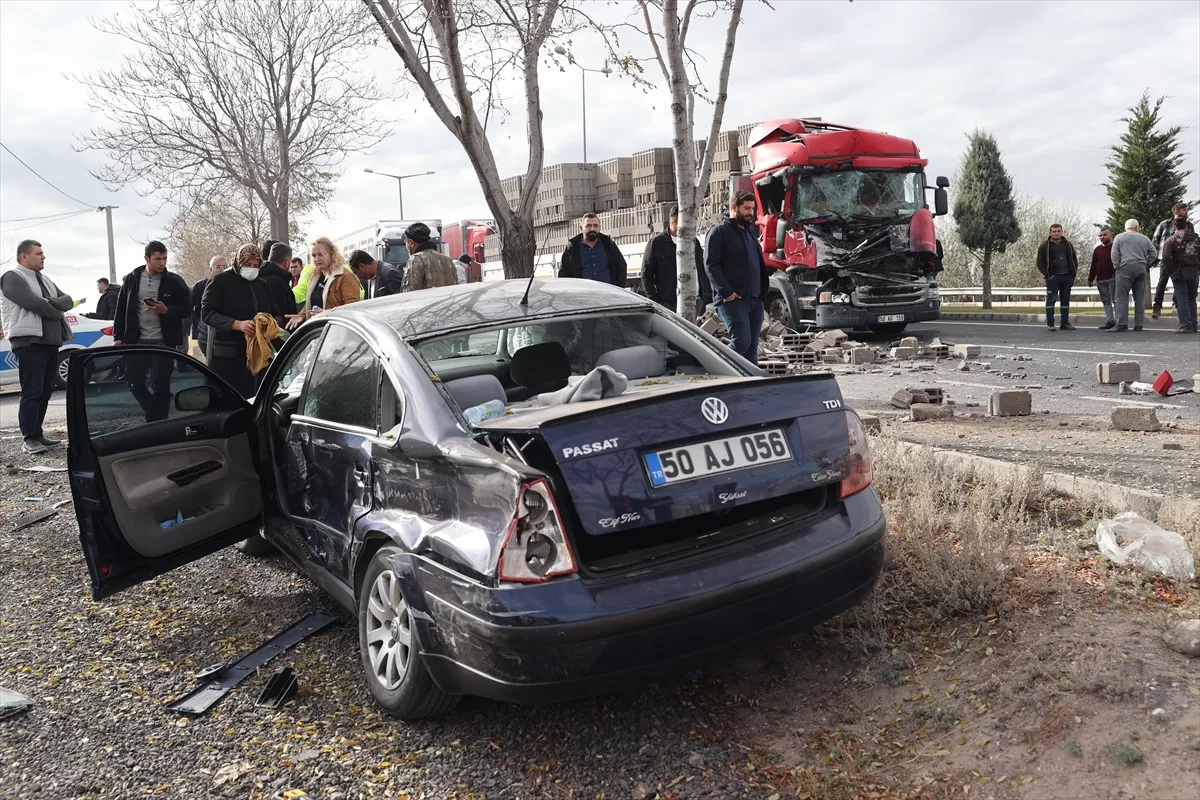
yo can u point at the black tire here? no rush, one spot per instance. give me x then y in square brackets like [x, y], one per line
[60, 369]
[778, 310]
[415, 696]
[888, 328]
[256, 547]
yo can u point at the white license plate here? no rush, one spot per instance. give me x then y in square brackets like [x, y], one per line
[718, 455]
[890, 318]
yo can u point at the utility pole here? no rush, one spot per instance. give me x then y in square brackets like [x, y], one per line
[112, 251]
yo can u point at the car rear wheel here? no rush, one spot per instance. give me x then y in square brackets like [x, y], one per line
[391, 660]
[60, 371]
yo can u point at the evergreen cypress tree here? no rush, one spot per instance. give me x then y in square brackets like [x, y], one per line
[985, 215]
[1144, 175]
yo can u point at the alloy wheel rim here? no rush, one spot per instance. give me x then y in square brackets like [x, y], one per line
[389, 631]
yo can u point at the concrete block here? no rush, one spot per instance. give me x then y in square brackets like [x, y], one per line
[834, 338]
[774, 367]
[796, 340]
[910, 341]
[871, 423]
[831, 357]
[1135, 418]
[850, 344]
[1118, 371]
[903, 353]
[906, 397]
[967, 350]
[934, 393]
[862, 355]
[921, 412]
[710, 325]
[776, 329]
[938, 351]
[1196, 383]
[832, 351]
[1010, 404]
[807, 357]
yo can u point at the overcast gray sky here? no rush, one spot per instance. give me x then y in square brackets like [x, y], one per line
[1049, 79]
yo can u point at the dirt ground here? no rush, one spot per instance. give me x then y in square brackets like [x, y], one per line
[1074, 444]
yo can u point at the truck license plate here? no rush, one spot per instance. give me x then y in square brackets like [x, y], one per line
[890, 318]
[715, 456]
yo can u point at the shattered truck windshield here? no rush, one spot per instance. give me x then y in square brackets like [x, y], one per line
[858, 194]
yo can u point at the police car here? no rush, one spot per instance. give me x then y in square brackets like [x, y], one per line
[87, 332]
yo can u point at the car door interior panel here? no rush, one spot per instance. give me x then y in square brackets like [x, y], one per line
[210, 485]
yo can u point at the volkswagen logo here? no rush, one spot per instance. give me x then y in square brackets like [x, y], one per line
[714, 410]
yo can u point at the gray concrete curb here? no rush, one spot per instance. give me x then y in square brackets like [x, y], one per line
[1148, 504]
[1162, 323]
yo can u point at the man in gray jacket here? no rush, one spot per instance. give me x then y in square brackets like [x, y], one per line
[31, 308]
[1132, 256]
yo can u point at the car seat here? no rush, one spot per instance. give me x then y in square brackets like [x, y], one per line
[538, 368]
[476, 390]
[641, 361]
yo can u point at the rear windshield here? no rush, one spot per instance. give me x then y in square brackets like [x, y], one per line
[650, 349]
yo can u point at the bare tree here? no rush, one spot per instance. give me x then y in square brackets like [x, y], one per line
[682, 77]
[460, 54]
[259, 93]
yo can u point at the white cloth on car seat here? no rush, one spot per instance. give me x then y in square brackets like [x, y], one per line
[599, 383]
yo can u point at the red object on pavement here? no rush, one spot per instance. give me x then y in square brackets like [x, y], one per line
[1163, 383]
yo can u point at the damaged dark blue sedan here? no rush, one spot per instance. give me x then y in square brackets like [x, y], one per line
[524, 498]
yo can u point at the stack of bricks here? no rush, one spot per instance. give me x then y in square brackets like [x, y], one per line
[654, 176]
[614, 184]
[743, 134]
[566, 191]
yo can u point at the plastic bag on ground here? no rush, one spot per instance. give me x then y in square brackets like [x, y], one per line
[1147, 546]
[13, 703]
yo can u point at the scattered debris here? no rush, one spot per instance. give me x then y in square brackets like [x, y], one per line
[1135, 418]
[922, 412]
[282, 686]
[870, 423]
[963, 367]
[1118, 371]
[1149, 548]
[1183, 637]
[1015, 403]
[1163, 383]
[906, 397]
[969, 350]
[903, 353]
[34, 518]
[861, 355]
[13, 703]
[37, 468]
[230, 773]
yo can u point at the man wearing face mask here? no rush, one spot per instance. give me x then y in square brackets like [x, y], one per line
[231, 301]
[593, 256]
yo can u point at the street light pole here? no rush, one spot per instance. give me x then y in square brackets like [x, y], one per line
[583, 71]
[112, 250]
[399, 183]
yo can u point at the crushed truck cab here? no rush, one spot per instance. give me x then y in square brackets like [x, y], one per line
[844, 223]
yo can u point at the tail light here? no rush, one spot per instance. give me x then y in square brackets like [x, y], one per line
[860, 458]
[107, 331]
[536, 547]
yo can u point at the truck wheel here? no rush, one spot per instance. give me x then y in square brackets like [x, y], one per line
[60, 371]
[778, 310]
[888, 328]
[387, 641]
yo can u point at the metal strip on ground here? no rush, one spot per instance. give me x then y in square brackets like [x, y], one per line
[205, 696]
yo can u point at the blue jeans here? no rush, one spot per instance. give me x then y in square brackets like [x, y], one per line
[743, 318]
[1058, 287]
[1187, 283]
[1108, 290]
[36, 366]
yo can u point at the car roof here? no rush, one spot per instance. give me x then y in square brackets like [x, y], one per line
[430, 312]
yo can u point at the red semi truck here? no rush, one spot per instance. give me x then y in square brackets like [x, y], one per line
[844, 223]
[466, 236]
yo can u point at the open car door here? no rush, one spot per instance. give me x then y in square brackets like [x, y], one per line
[162, 463]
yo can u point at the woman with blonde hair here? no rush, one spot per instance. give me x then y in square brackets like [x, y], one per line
[331, 284]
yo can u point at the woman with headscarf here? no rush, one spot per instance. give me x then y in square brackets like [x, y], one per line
[231, 301]
[331, 284]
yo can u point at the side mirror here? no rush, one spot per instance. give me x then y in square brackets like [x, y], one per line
[941, 201]
[197, 398]
[943, 182]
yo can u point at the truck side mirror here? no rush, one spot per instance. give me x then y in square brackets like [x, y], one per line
[943, 182]
[941, 201]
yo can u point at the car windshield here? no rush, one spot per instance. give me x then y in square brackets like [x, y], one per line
[651, 349]
[395, 253]
[856, 194]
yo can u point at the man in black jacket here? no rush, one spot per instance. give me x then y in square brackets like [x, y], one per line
[151, 310]
[389, 279]
[279, 280]
[660, 278]
[106, 306]
[738, 273]
[593, 255]
[216, 265]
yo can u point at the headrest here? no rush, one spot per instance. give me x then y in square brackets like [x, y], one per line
[475, 390]
[642, 361]
[540, 365]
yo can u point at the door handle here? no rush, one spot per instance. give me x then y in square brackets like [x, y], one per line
[194, 430]
[193, 473]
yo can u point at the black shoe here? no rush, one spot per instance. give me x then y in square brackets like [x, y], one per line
[1066, 326]
[1107, 325]
[1119, 329]
[1050, 326]
[50, 442]
[1156, 312]
[1137, 327]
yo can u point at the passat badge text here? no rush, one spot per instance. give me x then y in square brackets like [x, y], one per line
[589, 449]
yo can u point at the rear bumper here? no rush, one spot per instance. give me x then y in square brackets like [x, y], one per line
[575, 637]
